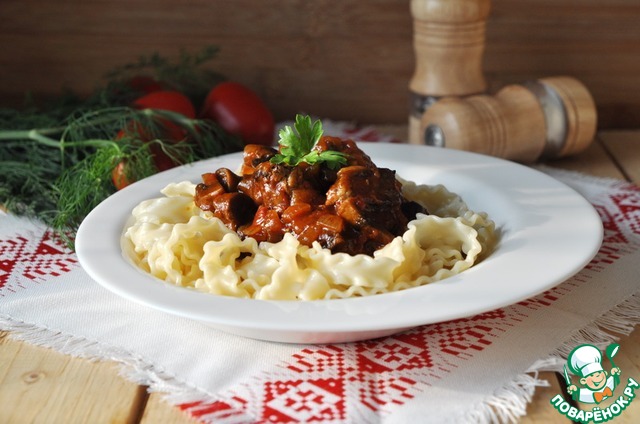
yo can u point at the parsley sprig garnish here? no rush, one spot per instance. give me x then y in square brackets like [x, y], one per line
[296, 145]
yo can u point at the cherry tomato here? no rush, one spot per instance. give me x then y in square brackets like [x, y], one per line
[173, 101]
[164, 100]
[119, 177]
[161, 160]
[170, 100]
[241, 112]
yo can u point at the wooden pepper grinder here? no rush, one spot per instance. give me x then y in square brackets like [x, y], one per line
[449, 38]
[547, 118]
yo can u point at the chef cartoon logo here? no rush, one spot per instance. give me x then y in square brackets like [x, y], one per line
[594, 385]
[585, 361]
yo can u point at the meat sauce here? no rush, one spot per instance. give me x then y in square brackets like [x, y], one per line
[356, 209]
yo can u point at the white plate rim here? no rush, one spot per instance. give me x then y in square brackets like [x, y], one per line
[483, 288]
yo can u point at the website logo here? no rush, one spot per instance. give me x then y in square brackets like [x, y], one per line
[594, 385]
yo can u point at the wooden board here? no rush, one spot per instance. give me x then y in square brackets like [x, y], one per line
[39, 385]
[349, 60]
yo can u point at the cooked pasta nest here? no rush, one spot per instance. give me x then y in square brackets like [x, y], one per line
[175, 241]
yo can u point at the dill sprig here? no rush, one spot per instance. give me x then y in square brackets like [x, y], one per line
[56, 161]
[76, 175]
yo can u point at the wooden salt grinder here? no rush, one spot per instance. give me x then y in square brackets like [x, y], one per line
[448, 42]
[547, 118]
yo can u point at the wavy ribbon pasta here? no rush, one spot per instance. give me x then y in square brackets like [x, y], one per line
[172, 239]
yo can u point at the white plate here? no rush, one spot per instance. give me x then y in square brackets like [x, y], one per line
[548, 233]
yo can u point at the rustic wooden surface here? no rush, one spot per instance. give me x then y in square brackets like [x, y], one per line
[340, 59]
[38, 385]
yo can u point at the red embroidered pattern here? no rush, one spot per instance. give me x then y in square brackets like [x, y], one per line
[628, 203]
[361, 380]
[33, 257]
[332, 382]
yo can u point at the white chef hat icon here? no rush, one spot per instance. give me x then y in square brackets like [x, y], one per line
[585, 360]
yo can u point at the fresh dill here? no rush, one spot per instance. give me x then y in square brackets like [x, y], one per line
[56, 161]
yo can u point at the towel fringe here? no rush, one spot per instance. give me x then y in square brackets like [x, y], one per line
[606, 329]
[505, 406]
[509, 403]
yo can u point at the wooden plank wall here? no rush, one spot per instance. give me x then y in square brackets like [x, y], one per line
[341, 59]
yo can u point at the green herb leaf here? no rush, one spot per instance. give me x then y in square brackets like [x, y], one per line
[334, 160]
[296, 145]
[56, 160]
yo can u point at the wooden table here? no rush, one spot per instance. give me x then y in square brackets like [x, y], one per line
[42, 386]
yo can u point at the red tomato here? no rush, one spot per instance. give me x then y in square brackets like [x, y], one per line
[241, 112]
[173, 101]
[161, 160]
[119, 177]
[163, 100]
[170, 100]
